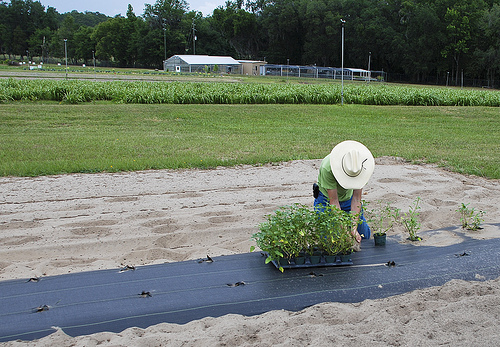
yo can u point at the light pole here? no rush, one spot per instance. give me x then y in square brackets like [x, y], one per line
[66, 56]
[369, 62]
[93, 59]
[194, 38]
[43, 47]
[342, 77]
[165, 42]
[287, 67]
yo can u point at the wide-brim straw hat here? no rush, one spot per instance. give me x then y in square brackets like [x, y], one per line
[352, 164]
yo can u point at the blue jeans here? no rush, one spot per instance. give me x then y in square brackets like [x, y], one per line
[363, 228]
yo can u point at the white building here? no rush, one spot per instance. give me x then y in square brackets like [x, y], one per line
[202, 63]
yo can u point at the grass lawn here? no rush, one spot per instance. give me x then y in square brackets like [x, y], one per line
[52, 138]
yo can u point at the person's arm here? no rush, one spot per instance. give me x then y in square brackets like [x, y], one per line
[356, 210]
[333, 197]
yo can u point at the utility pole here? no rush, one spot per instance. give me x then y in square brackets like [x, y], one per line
[93, 58]
[163, 24]
[43, 47]
[342, 90]
[369, 62]
[287, 68]
[66, 55]
[194, 38]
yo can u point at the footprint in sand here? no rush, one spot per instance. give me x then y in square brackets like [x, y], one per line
[162, 226]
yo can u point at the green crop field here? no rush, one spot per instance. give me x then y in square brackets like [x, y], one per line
[159, 92]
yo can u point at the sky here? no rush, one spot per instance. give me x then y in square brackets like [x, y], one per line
[114, 7]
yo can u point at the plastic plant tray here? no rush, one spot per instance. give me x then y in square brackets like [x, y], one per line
[308, 264]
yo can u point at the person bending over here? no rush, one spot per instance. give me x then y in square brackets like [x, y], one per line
[342, 175]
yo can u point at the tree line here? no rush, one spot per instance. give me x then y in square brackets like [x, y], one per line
[424, 40]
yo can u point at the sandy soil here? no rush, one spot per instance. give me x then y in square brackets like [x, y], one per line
[69, 223]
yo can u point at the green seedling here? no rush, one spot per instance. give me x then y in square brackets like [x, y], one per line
[410, 220]
[470, 219]
[382, 217]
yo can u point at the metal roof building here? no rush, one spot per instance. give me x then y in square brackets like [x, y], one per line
[202, 63]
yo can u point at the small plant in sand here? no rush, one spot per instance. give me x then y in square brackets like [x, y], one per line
[410, 220]
[382, 217]
[470, 219]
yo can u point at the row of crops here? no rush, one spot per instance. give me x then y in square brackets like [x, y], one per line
[77, 91]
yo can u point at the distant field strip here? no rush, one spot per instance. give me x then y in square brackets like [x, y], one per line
[76, 91]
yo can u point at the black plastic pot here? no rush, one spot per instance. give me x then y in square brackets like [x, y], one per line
[315, 259]
[330, 258]
[300, 260]
[345, 258]
[380, 239]
[283, 261]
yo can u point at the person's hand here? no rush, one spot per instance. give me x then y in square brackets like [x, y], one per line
[355, 233]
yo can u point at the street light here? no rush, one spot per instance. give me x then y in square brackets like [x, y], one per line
[43, 47]
[194, 38]
[66, 55]
[93, 59]
[165, 42]
[342, 90]
[369, 62]
[287, 67]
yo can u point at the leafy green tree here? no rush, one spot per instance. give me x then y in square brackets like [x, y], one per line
[322, 44]
[376, 27]
[52, 18]
[283, 22]
[38, 42]
[87, 18]
[4, 38]
[19, 45]
[132, 26]
[110, 40]
[487, 54]
[84, 45]
[210, 40]
[238, 27]
[461, 25]
[66, 32]
[425, 31]
[169, 27]
[145, 44]
[458, 30]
